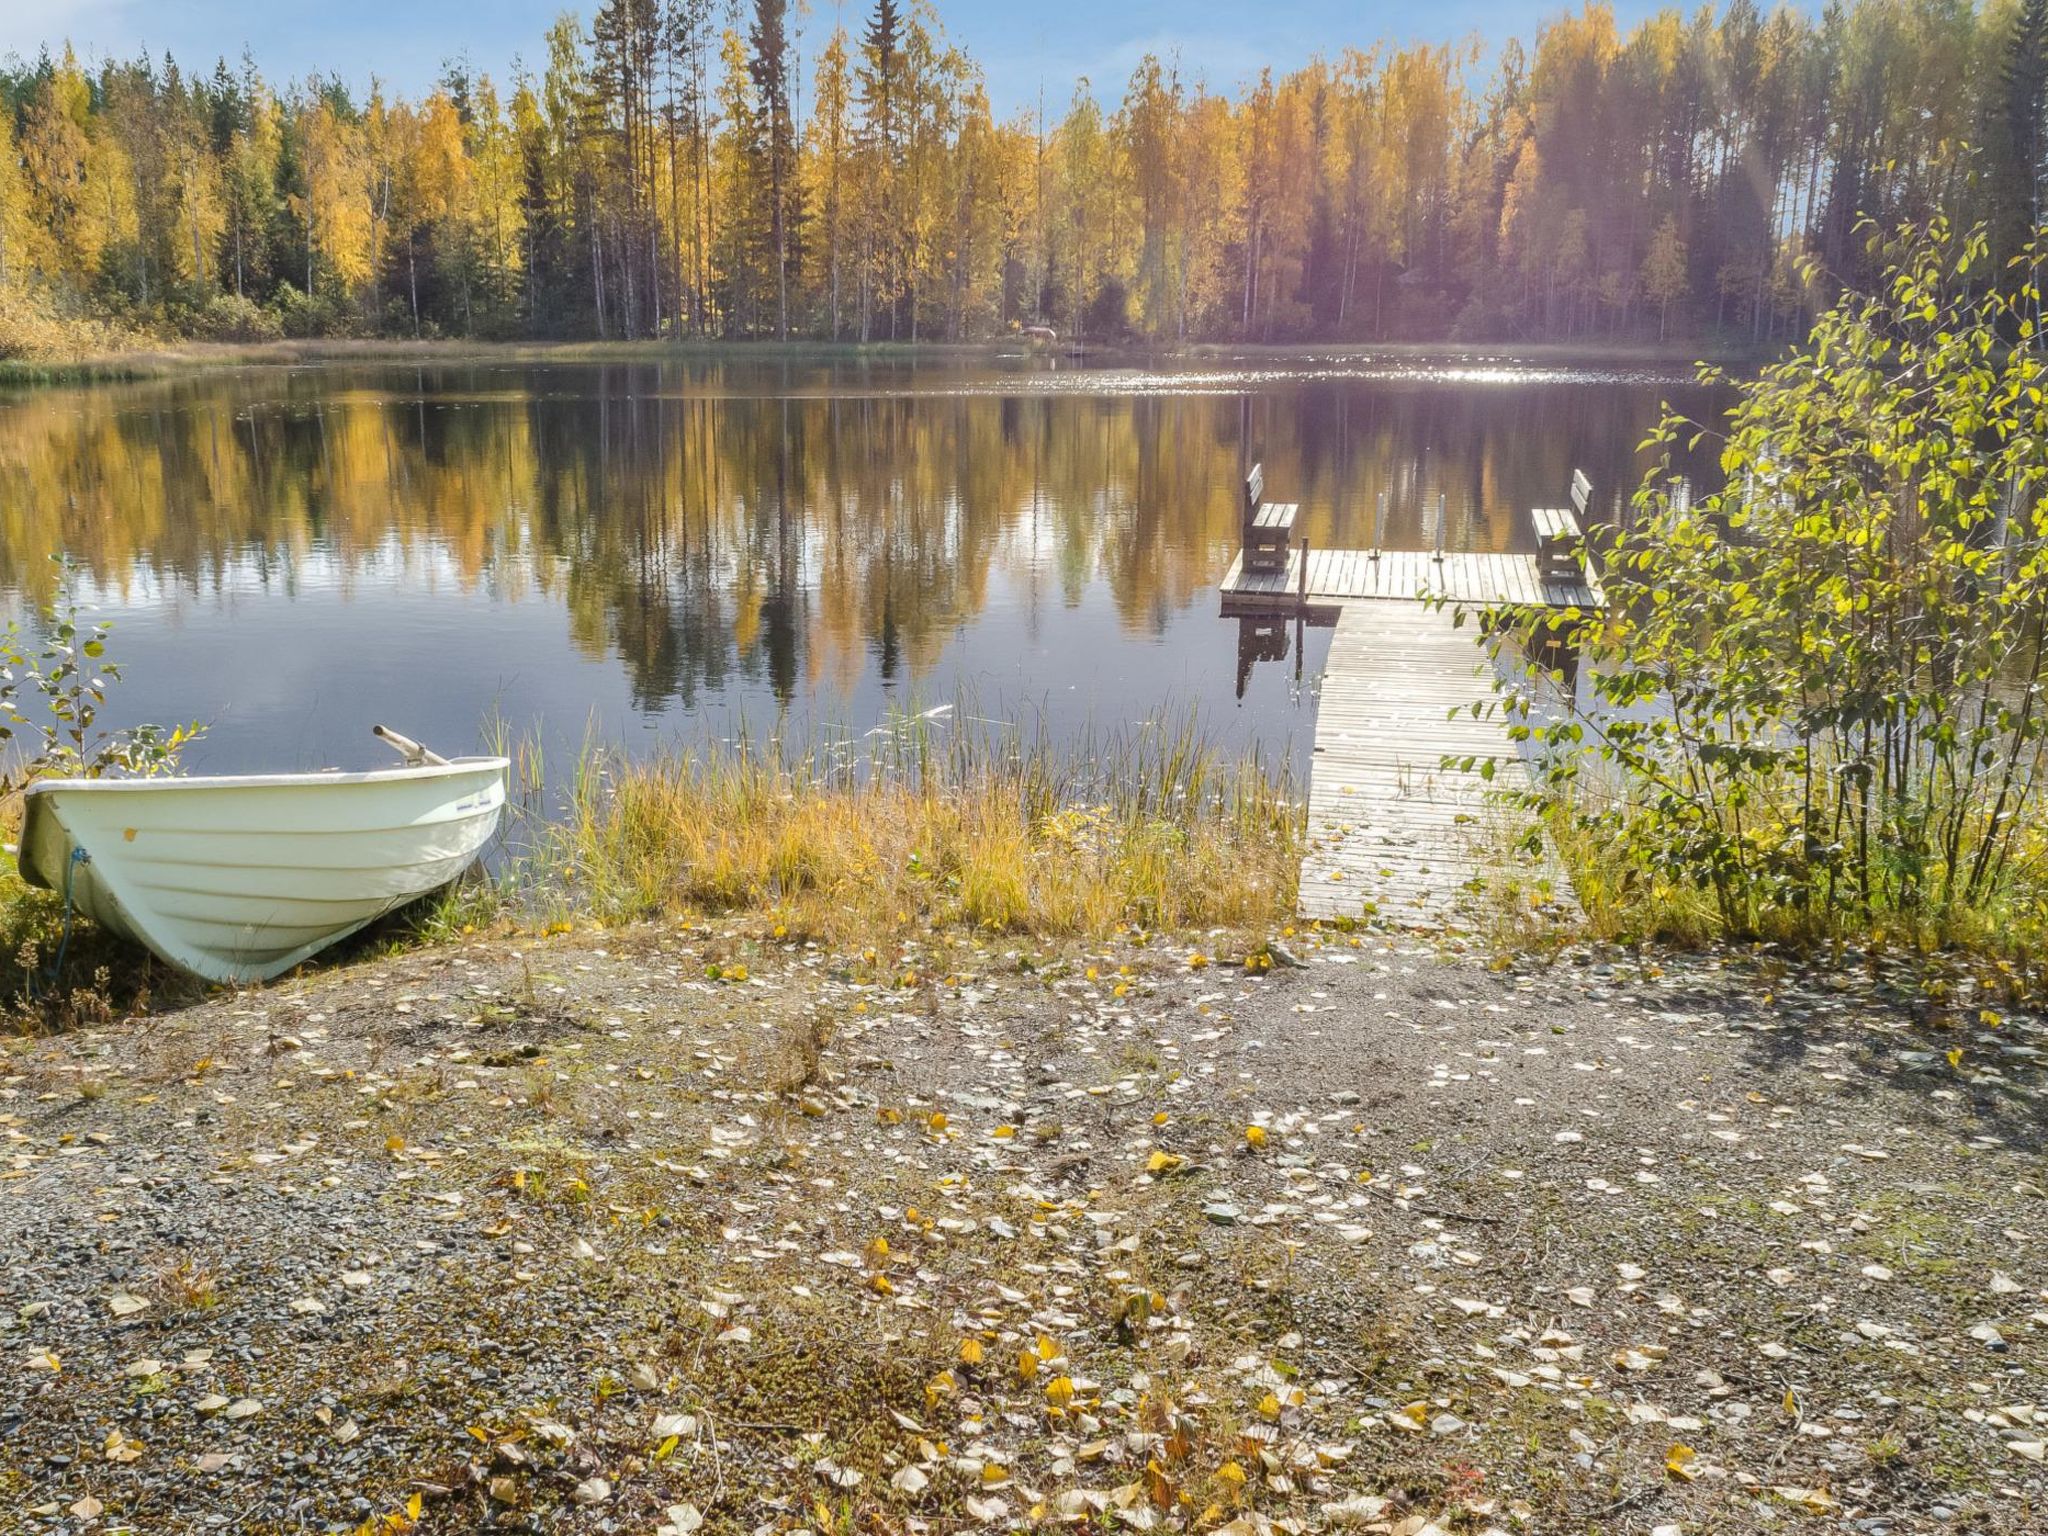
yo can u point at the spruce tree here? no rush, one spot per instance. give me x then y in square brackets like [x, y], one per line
[2025, 101]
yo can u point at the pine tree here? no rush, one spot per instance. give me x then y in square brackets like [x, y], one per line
[880, 77]
[2024, 89]
[776, 141]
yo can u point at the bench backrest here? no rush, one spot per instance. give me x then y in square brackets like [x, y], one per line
[1582, 491]
[1254, 488]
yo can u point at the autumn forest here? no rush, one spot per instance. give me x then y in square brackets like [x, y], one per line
[673, 169]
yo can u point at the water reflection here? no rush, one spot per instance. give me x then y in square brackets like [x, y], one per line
[299, 551]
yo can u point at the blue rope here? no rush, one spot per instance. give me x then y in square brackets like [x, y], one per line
[78, 856]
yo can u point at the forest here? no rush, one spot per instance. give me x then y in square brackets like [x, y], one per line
[674, 169]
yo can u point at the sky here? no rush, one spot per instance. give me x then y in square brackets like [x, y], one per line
[1023, 46]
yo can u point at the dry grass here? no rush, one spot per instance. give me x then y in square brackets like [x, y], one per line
[38, 337]
[920, 828]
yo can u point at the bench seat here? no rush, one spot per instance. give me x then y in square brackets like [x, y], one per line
[1557, 541]
[1269, 535]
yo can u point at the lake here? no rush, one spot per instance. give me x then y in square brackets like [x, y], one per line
[673, 551]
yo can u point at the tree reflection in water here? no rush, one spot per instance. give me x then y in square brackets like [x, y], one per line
[772, 528]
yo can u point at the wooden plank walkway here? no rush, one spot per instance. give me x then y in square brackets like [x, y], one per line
[1395, 837]
[1342, 576]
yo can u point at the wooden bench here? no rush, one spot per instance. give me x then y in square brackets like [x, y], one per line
[1559, 543]
[1268, 526]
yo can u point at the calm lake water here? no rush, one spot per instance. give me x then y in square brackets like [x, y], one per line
[672, 552]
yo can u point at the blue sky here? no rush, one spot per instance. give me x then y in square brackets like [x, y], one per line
[1022, 45]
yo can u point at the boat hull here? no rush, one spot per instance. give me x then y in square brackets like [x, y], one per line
[239, 879]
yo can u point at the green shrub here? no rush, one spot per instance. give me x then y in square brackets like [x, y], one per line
[1817, 697]
[234, 317]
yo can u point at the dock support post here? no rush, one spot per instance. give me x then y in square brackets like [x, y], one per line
[1379, 527]
[1439, 526]
[1301, 581]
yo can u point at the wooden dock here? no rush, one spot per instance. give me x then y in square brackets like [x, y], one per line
[1400, 832]
[1394, 836]
[1343, 576]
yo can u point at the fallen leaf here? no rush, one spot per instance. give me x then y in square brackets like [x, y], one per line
[1815, 1501]
[909, 1480]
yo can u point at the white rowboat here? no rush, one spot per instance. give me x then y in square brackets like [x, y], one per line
[239, 878]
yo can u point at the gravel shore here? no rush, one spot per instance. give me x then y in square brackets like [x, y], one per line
[670, 1228]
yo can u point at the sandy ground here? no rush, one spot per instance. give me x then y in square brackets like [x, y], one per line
[577, 1236]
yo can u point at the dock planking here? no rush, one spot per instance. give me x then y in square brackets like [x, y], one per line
[1395, 836]
[1344, 576]
[1400, 832]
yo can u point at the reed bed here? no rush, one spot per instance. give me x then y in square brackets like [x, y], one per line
[933, 820]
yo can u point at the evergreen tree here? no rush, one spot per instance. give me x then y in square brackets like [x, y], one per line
[2024, 106]
[776, 140]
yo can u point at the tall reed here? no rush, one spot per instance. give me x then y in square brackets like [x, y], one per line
[931, 819]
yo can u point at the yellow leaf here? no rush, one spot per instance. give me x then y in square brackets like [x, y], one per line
[1815, 1501]
[1255, 1136]
[1678, 1462]
[1027, 1365]
[937, 1122]
[970, 1351]
[1163, 1162]
[1269, 1405]
[1955, 1056]
[1060, 1391]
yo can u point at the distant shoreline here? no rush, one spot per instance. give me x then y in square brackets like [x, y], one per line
[170, 358]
